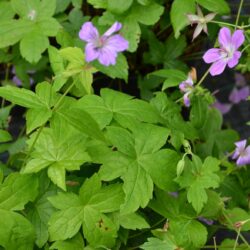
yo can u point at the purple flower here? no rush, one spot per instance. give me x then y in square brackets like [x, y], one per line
[240, 80]
[242, 153]
[174, 194]
[227, 54]
[206, 221]
[238, 95]
[187, 88]
[200, 20]
[17, 80]
[222, 107]
[105, 47]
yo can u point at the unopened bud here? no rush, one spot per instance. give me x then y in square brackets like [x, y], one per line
[180, 167]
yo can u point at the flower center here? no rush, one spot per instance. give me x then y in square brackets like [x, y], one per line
[100, 42]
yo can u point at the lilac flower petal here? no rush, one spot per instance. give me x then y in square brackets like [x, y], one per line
[186, 99]
[236, 154]
[217, 67]
[234, 60]
[88, 32]
[240, 80]
[107, 57]
[224, 37]
[174, 194]
[117, 43]
[243, 160]
[206, 221]
[212, 55]
[244, 93]
[237, 96]
[114, 28]
[197, 31]
[223, 107]
[238, 38]
[91, 52]
[241, 144]
[182, 86]
[17, 81]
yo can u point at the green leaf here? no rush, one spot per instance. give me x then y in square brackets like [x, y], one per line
[74, 55]
[58, 148]
[217, 6]
[121, 139]
[108, 199]
[6, 11]
[22, 97]
[119, 70]
[131, 32]
[98, 4]
[47, 8]
[118, 6]
[74, 243]
[17, 190]
[16, 232]
[173, 77]
[36, 118]
[154, 243]
[33, 45]
[238, 215]
[178, 12]
[198, 114]
[24, 7]
[98, 228]
[228, 244]
[87, 209]
[203, 177]
[56, 173]
[117, 105]
[138, 188]
[160, 163]
[77, 3]
[149, 14]
[133, 221]
[39, 213]
[173, 49]
[188, 232]
[83, 122]
[62, 225]
[4, 136]
[48, 26]
[12, 31]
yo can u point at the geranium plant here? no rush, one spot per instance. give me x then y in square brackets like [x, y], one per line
[111, 136]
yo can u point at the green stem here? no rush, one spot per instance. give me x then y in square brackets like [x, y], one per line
[230, 24]
[42, 127]
[223, 247]
[238, 14]
[236, 240]
[62, 97]
[238, 232]
[215, 245]
[245, 48]
[203, 77]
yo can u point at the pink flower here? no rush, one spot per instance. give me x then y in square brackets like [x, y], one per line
[238, 95]
[227, 54]
[222, 107]
[242, 153]
[104, 48]
[187, 88]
